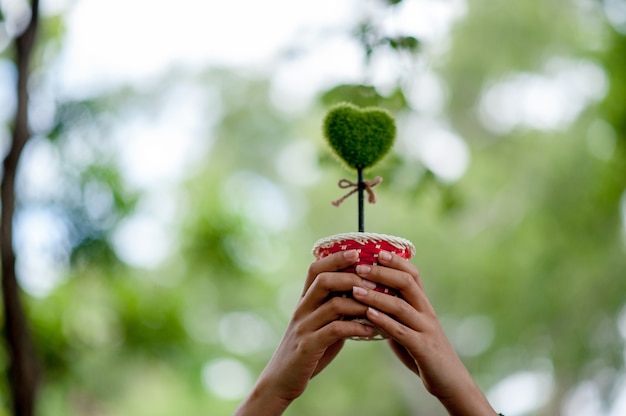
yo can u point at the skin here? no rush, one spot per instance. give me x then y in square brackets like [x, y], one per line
[316, 335]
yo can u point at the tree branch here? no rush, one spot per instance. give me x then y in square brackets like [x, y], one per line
[24, 369]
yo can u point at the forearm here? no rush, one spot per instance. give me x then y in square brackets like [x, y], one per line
[468, 400]
[261, 402]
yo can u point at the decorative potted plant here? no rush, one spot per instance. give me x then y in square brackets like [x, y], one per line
[361, 137]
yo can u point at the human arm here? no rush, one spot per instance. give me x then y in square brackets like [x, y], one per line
[313, 338]
[417, 337]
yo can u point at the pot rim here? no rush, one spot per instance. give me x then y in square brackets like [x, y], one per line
[363, 238]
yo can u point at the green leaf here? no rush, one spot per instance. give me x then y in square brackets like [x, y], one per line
[364, 96]
[408, 43]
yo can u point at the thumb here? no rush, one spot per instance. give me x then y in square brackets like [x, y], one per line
[330, 353]
[404, 356]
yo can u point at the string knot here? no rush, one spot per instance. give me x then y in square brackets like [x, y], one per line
[367, 185]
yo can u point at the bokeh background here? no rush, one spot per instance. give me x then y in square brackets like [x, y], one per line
[176, 179]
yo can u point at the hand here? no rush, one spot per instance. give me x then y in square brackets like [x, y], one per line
[313, 338]
[417, 337]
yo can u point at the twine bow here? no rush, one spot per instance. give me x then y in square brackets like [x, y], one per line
[367, 185]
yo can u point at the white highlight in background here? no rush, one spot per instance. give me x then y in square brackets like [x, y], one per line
[244, 332]
[43, 249]
[547, 101]
[440, 149]
[522, 392]
[227, 378]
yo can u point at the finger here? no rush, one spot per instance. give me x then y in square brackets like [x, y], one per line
[332, 263]
[394, 261]
[404, 356]
[334, 309]
[331, 335]
[337, 330]
[325, 284]
[404, 281]
[396, 330]
[404, 313]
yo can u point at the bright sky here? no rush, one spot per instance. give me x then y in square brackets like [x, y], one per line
[121, 40]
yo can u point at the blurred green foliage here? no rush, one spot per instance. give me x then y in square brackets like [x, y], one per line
[526, 250]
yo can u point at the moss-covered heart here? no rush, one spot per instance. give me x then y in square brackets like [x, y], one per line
[359, 136]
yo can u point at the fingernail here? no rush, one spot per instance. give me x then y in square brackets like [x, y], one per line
[350, 255]
[373, 312]
[385, 255]
[363, 269]
[368, 284]
[358, 291]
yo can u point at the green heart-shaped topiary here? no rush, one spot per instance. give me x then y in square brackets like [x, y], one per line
[359, 136]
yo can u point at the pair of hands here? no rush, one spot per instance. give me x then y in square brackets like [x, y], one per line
[316, 335]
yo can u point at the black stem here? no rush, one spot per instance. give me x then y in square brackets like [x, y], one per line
[361, 188]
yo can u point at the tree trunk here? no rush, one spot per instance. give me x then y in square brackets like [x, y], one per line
[23, 364]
